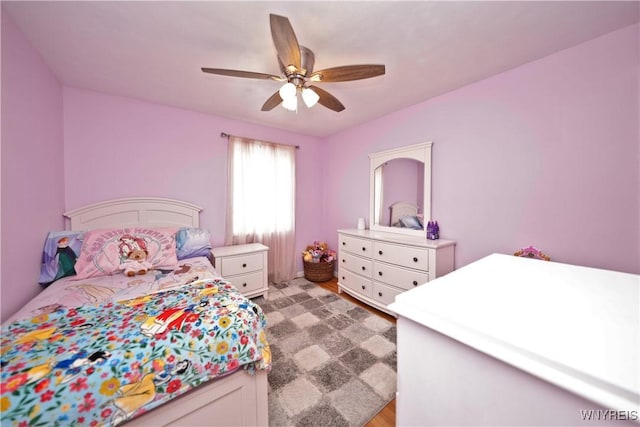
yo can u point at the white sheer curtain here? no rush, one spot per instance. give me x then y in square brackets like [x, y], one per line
[261, 201]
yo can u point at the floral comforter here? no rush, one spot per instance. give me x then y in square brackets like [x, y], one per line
[102, 365]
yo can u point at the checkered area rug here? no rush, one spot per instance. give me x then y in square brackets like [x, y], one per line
[334, 363]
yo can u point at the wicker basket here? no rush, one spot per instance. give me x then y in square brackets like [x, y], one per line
[318, 271]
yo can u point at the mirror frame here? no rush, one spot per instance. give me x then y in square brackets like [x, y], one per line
[420, 152]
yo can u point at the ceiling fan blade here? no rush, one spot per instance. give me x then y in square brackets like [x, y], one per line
[245, 74]
[348, 72]
[285, 40]
[273, 101]
[328, 100]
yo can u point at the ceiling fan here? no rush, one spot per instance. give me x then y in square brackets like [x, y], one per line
[296, 64]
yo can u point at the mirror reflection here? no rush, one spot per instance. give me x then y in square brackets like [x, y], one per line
[400, 193]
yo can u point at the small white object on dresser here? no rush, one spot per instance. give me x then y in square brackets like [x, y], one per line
[245, 266]
[375, 266]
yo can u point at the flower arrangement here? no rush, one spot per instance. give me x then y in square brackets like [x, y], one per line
[318, 252]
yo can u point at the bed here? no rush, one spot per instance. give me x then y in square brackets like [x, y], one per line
[514, 341]
[176, 345]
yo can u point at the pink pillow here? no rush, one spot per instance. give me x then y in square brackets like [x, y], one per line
[103, 250]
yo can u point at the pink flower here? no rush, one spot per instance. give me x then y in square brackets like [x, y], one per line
[78, 385]
[87, 405]
[174, 386]
[17, 367]
[13, 383]
[46, 396]
[232, 365]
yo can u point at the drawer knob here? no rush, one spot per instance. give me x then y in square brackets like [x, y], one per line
[244, 285]
[380, 252]
[344, 243]
[415, 259]
[363, 268]
[379, 294]
[415, 283]
[244, 265]
[379, 273]
[343, 260]
[364, 249]
[364, 287]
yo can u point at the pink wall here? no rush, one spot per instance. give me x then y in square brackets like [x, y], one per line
[545, 154]
[120, 147]
[32, 165]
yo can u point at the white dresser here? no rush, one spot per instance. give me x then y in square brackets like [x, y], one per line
[375, 266]
[509, 341]
[245, 266]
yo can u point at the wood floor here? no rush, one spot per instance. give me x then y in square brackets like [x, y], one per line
[387, 416]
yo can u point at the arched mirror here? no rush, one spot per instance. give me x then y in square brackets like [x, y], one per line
[400, 189]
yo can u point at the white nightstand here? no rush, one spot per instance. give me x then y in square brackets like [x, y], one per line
[245, 266]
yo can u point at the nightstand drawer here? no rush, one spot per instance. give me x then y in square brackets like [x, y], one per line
[231, 266]
[247, 282]
[245, 266]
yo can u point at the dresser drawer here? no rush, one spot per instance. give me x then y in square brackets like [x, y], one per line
[355, 245]
[404, 256]
[356, 283]
[355, 264]
[248, 282]
[230, 266]
[384, 294]
[398, 276]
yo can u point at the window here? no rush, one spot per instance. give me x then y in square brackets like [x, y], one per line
[261, 201]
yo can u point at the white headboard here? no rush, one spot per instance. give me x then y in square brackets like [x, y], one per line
[135, 211]
[400, 209]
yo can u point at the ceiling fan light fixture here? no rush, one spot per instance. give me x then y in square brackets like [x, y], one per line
[290, 103]
[309, 97]
[296, 64]
[287, 91]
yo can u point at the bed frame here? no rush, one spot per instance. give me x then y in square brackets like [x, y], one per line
[400, 209]
[239, 399]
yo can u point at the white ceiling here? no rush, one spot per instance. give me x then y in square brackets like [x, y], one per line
[153, 50]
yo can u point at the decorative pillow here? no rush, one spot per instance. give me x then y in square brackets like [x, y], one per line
[192, 242]
[103, 250]
[61, 250]
[409, 221]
